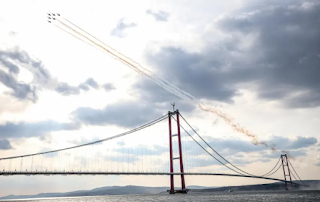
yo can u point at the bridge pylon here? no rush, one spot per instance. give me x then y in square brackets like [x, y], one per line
[183, 186]
[286, 170]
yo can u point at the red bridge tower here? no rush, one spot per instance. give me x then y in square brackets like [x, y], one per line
[183, 186]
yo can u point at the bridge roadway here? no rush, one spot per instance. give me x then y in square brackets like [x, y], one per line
[4, 173]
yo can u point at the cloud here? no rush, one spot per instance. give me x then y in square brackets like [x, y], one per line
[276, 154]
[227, 146]
[126, 114]
[158, 15]
[150, 92]
[5, 144]
[297, 143]
[20, 90]
[8, 64]
[12, 58]
[108, 86]
[26, 130]
[120, 29]
[84, 87]
[198, 74]
[92, 83]
[233, 147]
[36, 67]
[265, 46]
[66, 89]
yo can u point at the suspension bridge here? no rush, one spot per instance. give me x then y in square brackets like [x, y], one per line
[177, 150]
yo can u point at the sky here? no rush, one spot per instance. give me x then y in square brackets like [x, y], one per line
[257, 61]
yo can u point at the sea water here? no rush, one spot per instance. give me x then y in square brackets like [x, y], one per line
[285, 196]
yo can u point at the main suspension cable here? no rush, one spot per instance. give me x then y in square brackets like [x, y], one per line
[271, 169]
[95, 142]
[205, 149]
[295, 171]
[217, 152]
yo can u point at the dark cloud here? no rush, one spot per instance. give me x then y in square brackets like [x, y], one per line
[225, 146]
[150, 92]
[9, 65]
[92, 83]
[298, 143]
[11, 59]
[35, 66]
[235, 148]
[25, 130]
[84, 87]
[119, 30]
[5, 144]
[267, 46]
[108, 86]
[158, 15]
[66, 89]
[276, 154]
[126, 114]
[20, 90]
[198, 74]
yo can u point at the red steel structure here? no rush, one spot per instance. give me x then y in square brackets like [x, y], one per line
[183, 186]
[285, 164]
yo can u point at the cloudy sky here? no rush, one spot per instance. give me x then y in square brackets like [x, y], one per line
[258, 61]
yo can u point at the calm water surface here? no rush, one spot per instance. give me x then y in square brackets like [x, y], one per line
[308, 196]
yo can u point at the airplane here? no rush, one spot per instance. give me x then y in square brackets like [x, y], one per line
[49, 14]
[49, 21]
[53, 18]
[58, 14]
[49, 17]
[53, 14]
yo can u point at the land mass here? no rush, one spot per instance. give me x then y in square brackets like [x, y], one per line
[123, 190]
[109, 190]
[277, 186]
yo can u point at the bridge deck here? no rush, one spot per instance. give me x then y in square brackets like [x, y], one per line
[133, 173]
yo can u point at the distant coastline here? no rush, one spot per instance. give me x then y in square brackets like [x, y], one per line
[124, 190]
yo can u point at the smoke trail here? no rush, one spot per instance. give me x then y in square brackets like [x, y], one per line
[137, 64]
[137, 67]
[235, 126]
[163, 83]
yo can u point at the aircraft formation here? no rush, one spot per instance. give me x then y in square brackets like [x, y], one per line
[52, 16]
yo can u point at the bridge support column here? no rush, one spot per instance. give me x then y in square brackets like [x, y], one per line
[183, 186]
[171, 191]
[285, 164]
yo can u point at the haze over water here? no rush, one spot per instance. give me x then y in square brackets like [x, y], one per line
[291, 196]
